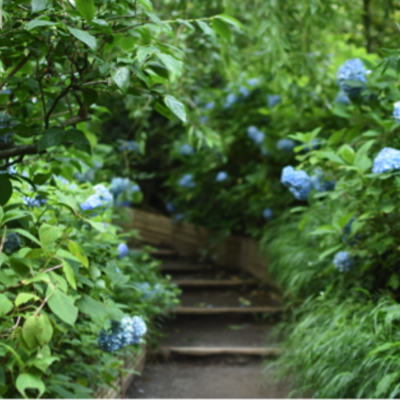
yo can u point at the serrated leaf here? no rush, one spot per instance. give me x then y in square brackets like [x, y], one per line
[122, 78]
[69, 274]
[86, 8]
[222, 29]
[30, 381]
[84, 37]
[6, 189]
[39, 5]
[62, 305]
[5, 305]
[176, 107]
[24, 298]
[48, 234]
[51, 137]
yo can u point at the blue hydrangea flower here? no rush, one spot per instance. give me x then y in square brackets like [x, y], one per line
[186, 150]
[187, 181]
[33, 201]
[209, 106]
[286, 145]
[102, 198]
[149, 292]
[170, 207]
[204, 119]
[12, 242]
[123, 250]
[119, 185]
[253, 82]
[244, 91]
[313, 145]
[255, 135]
[134, 188]
[6, 128]
[221, 176]
[87, 176]
[267, 213]
[343, 261]
[347, 232]
[178, 217]
[351, 77]
[396, 111]
[231, 99]
[388, 159]
[273, 100]
[342, 98]
[127, 332]
[320, 183]
[129, 145]
[298, 182]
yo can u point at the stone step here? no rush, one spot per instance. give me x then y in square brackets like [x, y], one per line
[165, 351]
[183, 283]
[224, 310]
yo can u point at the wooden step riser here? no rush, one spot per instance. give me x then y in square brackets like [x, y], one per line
[226, 310]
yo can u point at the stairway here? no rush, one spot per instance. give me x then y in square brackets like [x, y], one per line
[225, 318]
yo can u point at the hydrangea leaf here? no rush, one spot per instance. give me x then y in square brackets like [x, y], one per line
[48, 234]
[176, 107]
[30, 381]
[62, 305]
[5, 305]
[86, 8]
[6, 189]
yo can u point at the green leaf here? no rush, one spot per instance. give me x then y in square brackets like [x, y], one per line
[79, 139]
[44, 329]
[347, 153]
[84, 37]
[92, 307]
[385, 384]
[329, 251]
[62, 305]
[146, 4]
[6, 189]
[48, 234]
[37, 23]
[230, 20]
[86, 8]
[39, 5]
[68, 201]
[122, 78]
[382, 348]
[174, 66]
[24, 298]
[222, 29]
[30, 381]
[206, 28]
[176, 107]
[20, 265]
[5, 305]
[51, 137]
[25, 233]
[69, 274]
[78, 252]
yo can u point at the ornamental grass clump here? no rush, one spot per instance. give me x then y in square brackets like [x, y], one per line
[351, 77]
[298, 182]
[343, 261]
[127, 332]
[255, 135]
[388, 159]
[286, 145]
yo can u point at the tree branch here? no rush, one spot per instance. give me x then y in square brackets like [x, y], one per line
[19, 151]
[15, 70]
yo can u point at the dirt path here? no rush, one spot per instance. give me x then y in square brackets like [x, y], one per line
[221, 324]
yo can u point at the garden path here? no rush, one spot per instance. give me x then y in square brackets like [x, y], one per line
[214, 347]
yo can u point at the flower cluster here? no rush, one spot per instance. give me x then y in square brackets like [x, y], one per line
[273, 100]
[320, 183]
[342, 98]
[187, 181]
[396, 111]
[87, 176]
[6, 125]
[102, 198]
[127, 332]
[298, 182]
[12, 242]
[123, 250]
[33, 202]
[121, 185]
[388, 159]
[343, 261]
[286, 145]
[351, 77]
[129, 145]
[150, 292]
[170, 207]
[221, 176]
[267, 213]
[255, 135]
[186, 150]
[231, 99]
[209, 106]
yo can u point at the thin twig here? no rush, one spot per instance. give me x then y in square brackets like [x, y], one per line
[15, 70]
[52, 268]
